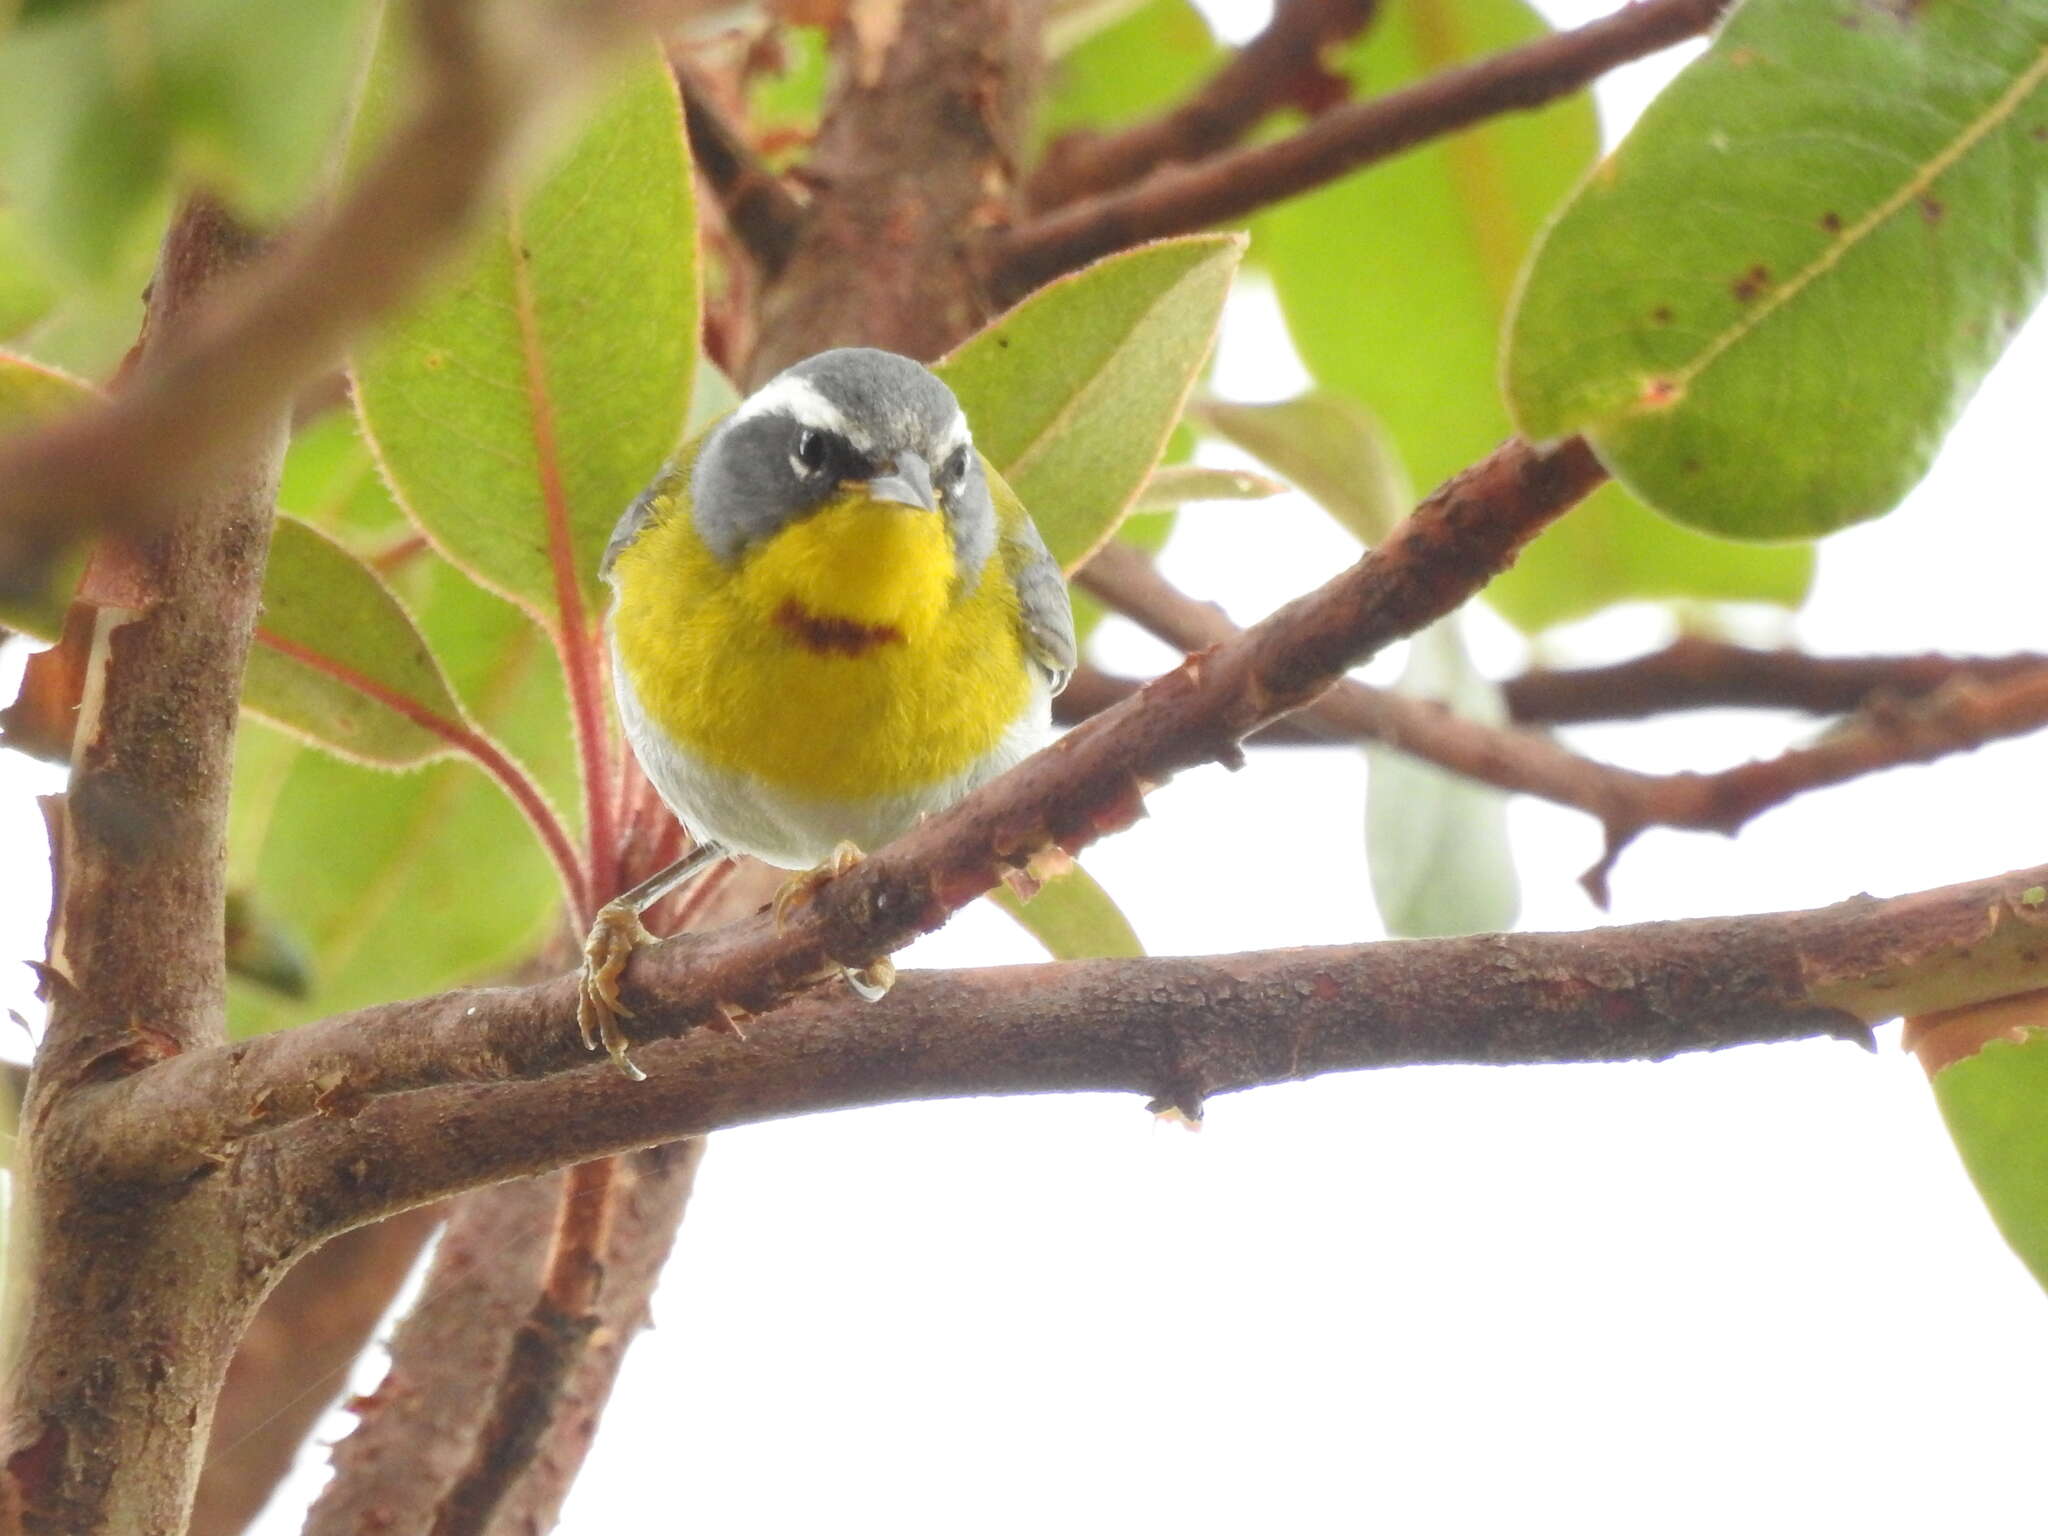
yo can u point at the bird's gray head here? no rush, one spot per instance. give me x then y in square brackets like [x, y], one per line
[839, 421]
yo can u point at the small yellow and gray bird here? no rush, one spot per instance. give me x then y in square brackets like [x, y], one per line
[830, 618]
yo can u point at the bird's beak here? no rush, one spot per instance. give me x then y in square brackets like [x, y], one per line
[910, 485]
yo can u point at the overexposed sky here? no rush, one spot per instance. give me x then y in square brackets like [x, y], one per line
[1750, 1291]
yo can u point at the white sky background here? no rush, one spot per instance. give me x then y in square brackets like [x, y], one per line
[1750, 1291]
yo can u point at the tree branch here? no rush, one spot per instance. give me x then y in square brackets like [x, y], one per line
[294, 1360]
[1694, 673]
[1282, 66]
[915, 156]
[762, 211]
[1177, 1030]
[1180, 199]
[153, 1297]
[1962, 714]
[285, 323]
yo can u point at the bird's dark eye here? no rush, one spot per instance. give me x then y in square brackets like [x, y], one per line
[956, 467]
[812, 453]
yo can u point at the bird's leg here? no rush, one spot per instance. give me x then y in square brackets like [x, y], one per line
[872, 982]
[615, 934]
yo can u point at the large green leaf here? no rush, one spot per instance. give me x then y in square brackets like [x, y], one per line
[1437, 842]
[1395, 283]
[1138, 65]
[27, 292]
[100, 107]
[522, 408]
[1074, 918]
[1772, 301]
[1331, 447]
[338, 661]
[1992, 1103]
[31, 393]
[331, 481]
[1074, 393]
[345, 859]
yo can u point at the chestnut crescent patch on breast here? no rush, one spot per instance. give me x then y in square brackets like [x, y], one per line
[828, 636]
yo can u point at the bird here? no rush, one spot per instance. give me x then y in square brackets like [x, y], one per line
[830, 617]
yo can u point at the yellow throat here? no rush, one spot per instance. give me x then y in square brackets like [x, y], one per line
[838, 659]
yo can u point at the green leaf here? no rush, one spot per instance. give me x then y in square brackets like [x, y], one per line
[393, 885]
[344, 859]
[1437, 842]
[27, 292]
[339, 662]
[84, 149]
[1139, 65]
[102, 107]
[1074, 918]
[31, 393]
[1395, 283]
[1331, 447]
[330, 480]
[1074, 392]
[1992, 1102]
[1614, 549]
[1174, 485]
[519, 411]
[1772, 301]
[259, 92]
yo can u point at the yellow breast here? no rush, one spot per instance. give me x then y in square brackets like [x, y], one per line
[839, 660]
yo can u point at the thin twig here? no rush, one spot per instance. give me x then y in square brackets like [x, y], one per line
[1179, 199]
[1962, 714]
[1695, 673]
[764, 213]
[1282, 66]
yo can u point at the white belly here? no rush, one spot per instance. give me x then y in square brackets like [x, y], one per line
[793, 831]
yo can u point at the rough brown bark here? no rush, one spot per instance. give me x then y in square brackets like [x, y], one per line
[294, 1360]
[140, 1288]
[917, 157]
[419, 1429]
[1176, 1030]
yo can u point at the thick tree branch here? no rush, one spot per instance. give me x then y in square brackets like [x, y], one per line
[1694, 673]
[1962, 714]
[1282, 66]
[153, 1296]
[915, 157]
[286, 323]
[1176, 1030]
[294, 1360]
[763, 212]
[1180, 199]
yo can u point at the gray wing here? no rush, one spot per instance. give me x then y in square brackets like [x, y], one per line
[1046, 611]
[651, 505]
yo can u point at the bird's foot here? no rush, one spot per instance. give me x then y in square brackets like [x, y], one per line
[871, 982]
[614, 936]
[801, 888]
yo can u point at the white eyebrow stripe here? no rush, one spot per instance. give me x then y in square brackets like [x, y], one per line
[803, 402]
[956, 435]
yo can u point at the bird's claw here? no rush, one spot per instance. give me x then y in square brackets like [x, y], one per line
[801, 888]
[871, 982]
[614, 936]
